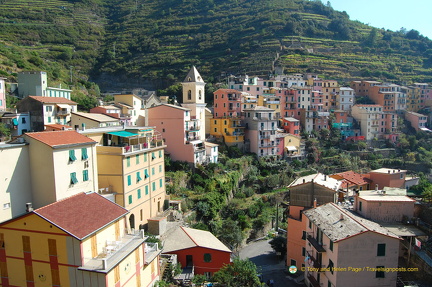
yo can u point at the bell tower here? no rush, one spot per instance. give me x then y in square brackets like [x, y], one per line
[193, 88]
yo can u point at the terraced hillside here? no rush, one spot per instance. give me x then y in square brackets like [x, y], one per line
[152, 43]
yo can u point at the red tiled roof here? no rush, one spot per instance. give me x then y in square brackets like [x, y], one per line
[58, 126]
[352, 178]
[57, 138]
[53, 100]
[81, 215]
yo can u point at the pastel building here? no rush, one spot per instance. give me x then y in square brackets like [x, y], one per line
[69, 165]
[227, 103]
[17, 123]
[338, 241]
[390, 96]
[261, 125]
[231, 130]
[78, 241]
[46, 110]
[112, 111]
[35, 83]
[291, 125]
[15, 190]
[131, 109]
[92, 120]
[131, 170]
[2, 94]
[388, 177]
[345, 99]
[417, 121]
[370, 119]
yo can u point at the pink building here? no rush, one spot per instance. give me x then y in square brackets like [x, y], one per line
[388, 177]
[107, 110]
[2, 94]
[289, 104]
[227, 103]
[344, 249]
[291, 125]
[381, 207]
[417, 121]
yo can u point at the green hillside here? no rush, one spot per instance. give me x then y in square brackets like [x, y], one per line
[152, 43]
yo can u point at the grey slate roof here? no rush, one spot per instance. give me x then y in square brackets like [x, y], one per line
[339, 224]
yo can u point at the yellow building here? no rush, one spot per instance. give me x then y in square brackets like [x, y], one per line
[271, 99]
[131, 170]
[131, 105]
[78, 241]
[92, 120]
[62, 163]
[230, 129]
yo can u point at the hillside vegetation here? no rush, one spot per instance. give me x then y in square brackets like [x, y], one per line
[153, 43]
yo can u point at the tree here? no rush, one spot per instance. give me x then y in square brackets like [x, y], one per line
[241, 273]
[230, 233]
[4, 131]
[279, 244]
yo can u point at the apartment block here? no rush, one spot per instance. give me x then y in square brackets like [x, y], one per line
[35, 83]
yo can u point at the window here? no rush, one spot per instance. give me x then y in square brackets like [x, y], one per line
[84, 154]
[304, 235]
[160, 168]
[23, 120]
[310, 224]
[153, 186]
[160, 182]
[138, 176]
[146, 175]
[72, 156]
[331, 245]
[160, 154]
[329, 284]
[381, 248]
[145, 157]
[380, 272]
[73, 178]
[130, 199]
[293, 262]
[49, 119]
[153, 171]
[207, 257]
[139, 193]
[85, 175]
[303, 251]
[129, 180]
[146, 190]
[137, 159]
[330, 265]
[153, 156]
[128, 161]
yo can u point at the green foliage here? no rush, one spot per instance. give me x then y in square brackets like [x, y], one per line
[85, 102]
[241, 273]
[199, 279]
[279, 244]
[4, 131]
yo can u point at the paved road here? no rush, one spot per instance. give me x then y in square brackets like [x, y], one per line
[268, 264]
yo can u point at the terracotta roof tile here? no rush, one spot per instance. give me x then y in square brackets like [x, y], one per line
[81, 215]
[58, 138]
[53, 100]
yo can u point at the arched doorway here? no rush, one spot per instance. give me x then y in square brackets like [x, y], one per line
[132, 221]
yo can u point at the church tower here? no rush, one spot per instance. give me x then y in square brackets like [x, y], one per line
[193, 98]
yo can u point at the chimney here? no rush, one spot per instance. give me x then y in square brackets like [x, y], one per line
[29, 207]
[315, 203]
[341, 217]
[376, 187]
[325, 177]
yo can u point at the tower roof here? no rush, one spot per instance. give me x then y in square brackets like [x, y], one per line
[193, 76]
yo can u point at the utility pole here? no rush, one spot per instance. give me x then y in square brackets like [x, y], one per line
[70, 68]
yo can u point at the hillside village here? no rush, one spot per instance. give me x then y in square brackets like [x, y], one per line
[84, 193]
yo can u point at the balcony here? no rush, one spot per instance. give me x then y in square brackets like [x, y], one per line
[318, 247]
[193, 128]
[272, 102]
[116, 251]
[63, 113]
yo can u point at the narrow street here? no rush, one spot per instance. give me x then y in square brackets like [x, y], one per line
[269, 265]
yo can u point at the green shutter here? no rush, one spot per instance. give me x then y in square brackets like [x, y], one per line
[128, 161]
[85, 175]
[84, 154]
[153, 156]
[146, 190]
[153, 186]
[207, 257]
[160, 153]
[129, 179]
[137, 159]
[153, 171]
[146, 175]
[139, 193]
[145, 157]
[160, 182]
[130, 199]
[72, 156]
[73, 178]
[138, 175]
[381, 248]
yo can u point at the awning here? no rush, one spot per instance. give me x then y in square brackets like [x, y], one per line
[123, 134]
[291, 148]
[62, 106]
[195, 142]
[15, 122]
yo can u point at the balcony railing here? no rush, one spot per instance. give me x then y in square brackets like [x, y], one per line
[313, 281]
[138, 147]
[318, 247]
[114, 252]
[63, 113]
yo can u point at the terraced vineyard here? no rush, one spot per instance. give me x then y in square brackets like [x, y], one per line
[153, 43]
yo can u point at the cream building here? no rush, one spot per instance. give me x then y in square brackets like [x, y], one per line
[62, 163]
[92, 120]
[131, 105]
